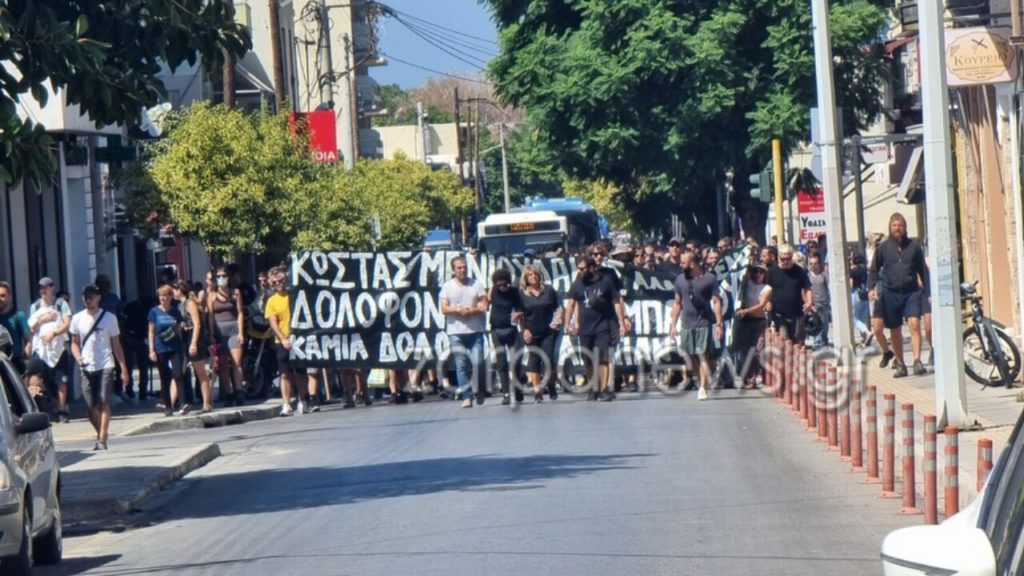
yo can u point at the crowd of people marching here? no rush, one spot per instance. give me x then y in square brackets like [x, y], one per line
[227, 330]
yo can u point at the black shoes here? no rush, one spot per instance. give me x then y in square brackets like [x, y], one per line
[364, 397]
[538, 397]
[607, 396]
[506, 399]
[480, 397]
[886, 358]
[919, 369]
[901, 370]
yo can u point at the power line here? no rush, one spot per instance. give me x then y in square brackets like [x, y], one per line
[448, 40]
[453, 51]
[425, 69]
[478, 64]
[394, 12]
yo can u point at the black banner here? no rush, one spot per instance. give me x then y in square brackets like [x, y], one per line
[366, 309]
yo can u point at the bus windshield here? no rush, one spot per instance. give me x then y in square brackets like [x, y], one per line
[538, 243]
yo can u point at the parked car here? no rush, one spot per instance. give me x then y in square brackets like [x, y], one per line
[30, 519]
[985, 539]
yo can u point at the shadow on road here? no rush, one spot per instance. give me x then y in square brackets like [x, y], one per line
[246, 493]
[76, 565]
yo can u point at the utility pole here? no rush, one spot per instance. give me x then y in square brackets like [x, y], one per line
[950, 392]
[476, 161]
[830, 161]
[326, 76]
[777, 176]
[276, 54]
[229, 67]
[858, 189]
[504, 168]
[458, 139]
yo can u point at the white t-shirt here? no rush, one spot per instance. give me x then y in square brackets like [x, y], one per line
[468, 294]
[97, 353]
[50, 353]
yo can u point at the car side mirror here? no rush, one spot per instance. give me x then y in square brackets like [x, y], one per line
[948, 549]
[32, 422]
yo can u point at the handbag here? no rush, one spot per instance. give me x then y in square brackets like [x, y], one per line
[168, 334]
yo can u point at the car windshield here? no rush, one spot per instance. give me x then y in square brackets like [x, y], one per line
[1003, 517]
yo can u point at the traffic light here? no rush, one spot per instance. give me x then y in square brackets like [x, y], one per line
[761, 185]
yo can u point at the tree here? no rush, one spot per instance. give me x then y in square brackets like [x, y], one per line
[409, 198]
[662, 97]
[265, 193]
[104, 55]
[605, 197]
[234, 182]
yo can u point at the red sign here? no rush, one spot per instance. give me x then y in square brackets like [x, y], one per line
[323, 138]
[811, 205]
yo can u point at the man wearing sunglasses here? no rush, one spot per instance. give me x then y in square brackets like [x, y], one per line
[791, 295]
[594, 309]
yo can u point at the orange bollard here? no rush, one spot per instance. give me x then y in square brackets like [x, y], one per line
[843, 396]
[889, 448]
[871, 436]
[821, 401]
[857, 429]
[831, 405]
[951, 500]
[909, 480]
[931, 507]
[984, 461]
[804, 388]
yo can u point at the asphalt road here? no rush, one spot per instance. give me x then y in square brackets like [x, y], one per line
[644, 485]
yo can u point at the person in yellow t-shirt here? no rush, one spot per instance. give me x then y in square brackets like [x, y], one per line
[279, 313]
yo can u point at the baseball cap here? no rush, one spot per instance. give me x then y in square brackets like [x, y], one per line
[91, 289]
[46, 281]
[677, 241]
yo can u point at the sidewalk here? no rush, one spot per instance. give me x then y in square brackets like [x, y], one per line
[993, 412]
[97, 485]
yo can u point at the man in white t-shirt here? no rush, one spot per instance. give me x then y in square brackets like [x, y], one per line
[464, 304]
[49, 320]
[95, 343]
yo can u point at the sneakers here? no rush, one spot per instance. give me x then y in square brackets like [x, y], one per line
[287, 410]
[702, 394]
[901, 370]
[349, 403]
[593, 396]
[314, 408]
[99, 446]
[506, 399]
[185, 409]
[931, 358]
[63, 417]
[364, 397]
[538, 397]
[886, 358]
[480, 397]
[302, 408]
[919, 369]
[467, 403]
[607, 396]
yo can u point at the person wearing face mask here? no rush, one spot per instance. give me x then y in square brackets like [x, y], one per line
[698, 300]
[227, 324]
[593, 309]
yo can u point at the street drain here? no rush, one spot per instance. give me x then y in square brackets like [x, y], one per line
[511, 488]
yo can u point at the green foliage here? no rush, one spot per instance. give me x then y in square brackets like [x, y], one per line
[605, 197]
[240, 182]
[662, 97]
[104, 55]
[231, 180]
[409, 198]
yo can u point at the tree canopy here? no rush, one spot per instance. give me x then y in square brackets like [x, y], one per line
[240, 182]
[105, 55]
[662, 97]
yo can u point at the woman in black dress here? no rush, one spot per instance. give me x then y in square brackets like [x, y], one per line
[542, 323]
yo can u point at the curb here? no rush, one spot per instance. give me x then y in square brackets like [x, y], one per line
[93, 509]
[211, 420]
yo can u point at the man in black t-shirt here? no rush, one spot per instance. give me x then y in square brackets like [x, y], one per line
[791, 296]
[671, 265]
[594, 307]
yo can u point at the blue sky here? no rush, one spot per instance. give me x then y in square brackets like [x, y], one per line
[464, 18]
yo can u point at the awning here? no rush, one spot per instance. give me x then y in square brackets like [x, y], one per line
[898, 43]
